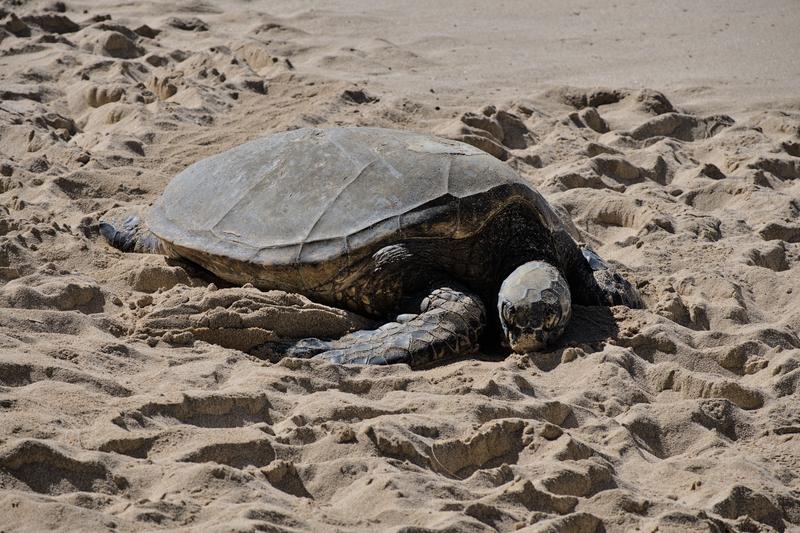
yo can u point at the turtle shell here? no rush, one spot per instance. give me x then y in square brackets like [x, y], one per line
[293, 209]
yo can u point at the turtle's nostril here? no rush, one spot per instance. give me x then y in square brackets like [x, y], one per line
[533, 333]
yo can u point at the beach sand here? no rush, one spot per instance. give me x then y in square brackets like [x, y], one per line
[667, 135]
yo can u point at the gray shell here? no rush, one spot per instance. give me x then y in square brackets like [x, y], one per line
[293, 209]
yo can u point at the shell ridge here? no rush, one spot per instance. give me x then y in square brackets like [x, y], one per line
[393, 171]
[242, 197]
[342, 149]
[448, 174]
[330, 203]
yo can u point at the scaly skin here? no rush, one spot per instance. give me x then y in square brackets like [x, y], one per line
[448, 325]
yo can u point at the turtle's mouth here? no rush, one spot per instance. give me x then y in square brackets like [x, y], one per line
[524, 340]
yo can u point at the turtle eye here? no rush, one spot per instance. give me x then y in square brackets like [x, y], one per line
[508, 313]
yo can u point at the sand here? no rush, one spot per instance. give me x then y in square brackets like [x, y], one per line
[132, 396]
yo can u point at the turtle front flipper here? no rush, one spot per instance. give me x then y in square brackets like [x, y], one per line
[448, 325]
[127, 231]
[614, 289]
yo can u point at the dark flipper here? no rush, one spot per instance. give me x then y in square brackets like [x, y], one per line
[614, 289]
[128, 232]
[448, 325]
[592, 280]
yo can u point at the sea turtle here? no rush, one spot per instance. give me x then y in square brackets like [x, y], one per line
[428, 232]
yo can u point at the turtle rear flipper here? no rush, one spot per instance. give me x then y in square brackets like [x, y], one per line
[448, 325]
[126, 231]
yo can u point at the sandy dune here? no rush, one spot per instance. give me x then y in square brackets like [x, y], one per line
[133, 395]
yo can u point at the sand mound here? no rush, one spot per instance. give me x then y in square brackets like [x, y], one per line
[244, 319]
[136, 392]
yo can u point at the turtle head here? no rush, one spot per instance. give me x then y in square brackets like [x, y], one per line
[534, 304]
